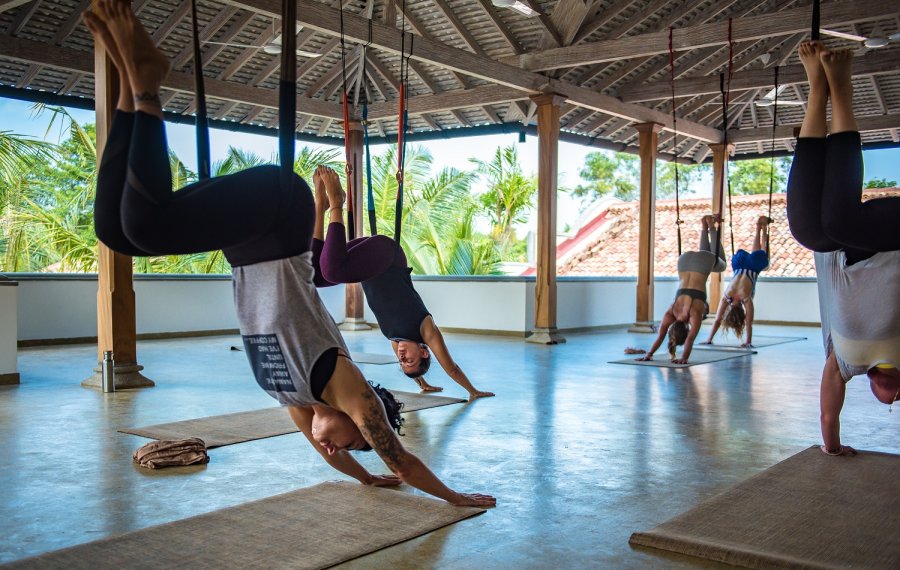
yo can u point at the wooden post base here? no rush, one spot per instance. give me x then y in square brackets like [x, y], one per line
[128, 376]
[545, 336]
[643, 327]
[10, 379]
[354, 324]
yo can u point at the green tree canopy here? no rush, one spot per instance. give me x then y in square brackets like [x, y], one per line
[753, 176]
[608, 175]
[881, 183]
[688, 176]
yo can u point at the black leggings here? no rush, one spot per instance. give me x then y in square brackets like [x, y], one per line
[248, 215]
[824, 200]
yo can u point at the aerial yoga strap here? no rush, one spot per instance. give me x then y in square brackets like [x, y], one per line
[287, 92]
[202, 122]
[678, 220]
[349, 159]
[373, 225]
[726, 92]
[403, 118]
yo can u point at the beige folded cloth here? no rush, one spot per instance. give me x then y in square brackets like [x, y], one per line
[170, 453]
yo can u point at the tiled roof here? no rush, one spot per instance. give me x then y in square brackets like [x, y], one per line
[611, 248]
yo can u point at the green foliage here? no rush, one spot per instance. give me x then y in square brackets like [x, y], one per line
[688, 175]
[753, 176]
[608, 175]
[881, 183]
[438, 217]
[510, 194]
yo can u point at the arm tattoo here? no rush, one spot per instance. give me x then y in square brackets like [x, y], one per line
[378, 433]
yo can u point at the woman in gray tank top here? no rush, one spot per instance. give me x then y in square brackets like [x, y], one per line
[264, 228]
[856, 244]
[683, 317]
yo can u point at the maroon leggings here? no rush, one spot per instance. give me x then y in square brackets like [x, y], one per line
[337, 261]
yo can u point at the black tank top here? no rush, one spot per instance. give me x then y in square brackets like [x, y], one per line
[396, 304]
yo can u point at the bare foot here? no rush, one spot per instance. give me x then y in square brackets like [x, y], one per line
[146, 65]
[333, 189]
[319, 184]
[810, 56]
[837, 66]
[104, 39]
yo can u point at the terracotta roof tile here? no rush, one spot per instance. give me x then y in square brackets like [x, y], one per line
[611, 248]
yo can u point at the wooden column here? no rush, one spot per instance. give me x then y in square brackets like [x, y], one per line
[355, 306]
[720, 174]
[116, 325]
[545, 331]
[649, 139]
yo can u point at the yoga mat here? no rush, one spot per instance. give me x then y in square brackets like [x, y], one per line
[227, 429]
[310, 528]
[372, 358]
[758, 342]
[359, 357]
[663, 360]
[809, 511]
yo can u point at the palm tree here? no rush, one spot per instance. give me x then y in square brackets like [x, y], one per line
[438, 215]
[510, 193]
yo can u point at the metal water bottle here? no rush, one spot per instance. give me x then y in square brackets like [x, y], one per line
[107, 372]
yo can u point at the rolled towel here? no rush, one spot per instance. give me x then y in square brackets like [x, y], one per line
[171, 453]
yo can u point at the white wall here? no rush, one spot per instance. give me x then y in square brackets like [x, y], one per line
[8, 327]
[59, 307]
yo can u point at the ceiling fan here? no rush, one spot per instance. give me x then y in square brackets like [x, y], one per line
[519, 6]
[768, 100]
[877, 40]
[273, 47]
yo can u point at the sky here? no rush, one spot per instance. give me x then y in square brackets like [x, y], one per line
[884, 163]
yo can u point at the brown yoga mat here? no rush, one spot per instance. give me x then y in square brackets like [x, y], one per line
[316, 527]
[663, 360]
[227, 429]
[809, 511]
[758, 342]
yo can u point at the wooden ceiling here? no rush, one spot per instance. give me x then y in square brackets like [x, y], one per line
[474, 65]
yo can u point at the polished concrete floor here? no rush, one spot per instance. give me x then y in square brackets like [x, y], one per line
[578, 452]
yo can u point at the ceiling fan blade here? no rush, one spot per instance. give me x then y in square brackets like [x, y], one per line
[851, 37]
[303, 53]
[790, 103]
[231, 45]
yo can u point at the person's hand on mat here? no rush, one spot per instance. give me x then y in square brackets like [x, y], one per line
[646, 358]
[679, 361]
[844, 450]
[474, 500]
[746, 345]
[632, 350]
[707, 342]
[383, 481]
[479, 394]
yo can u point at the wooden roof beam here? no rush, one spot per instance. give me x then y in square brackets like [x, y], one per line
[66, 28]
[10, 4]
[501, 27]
[205, 35]
[748, 28]
[458, 26]
[876, 123]
[41, 53]
[871, 64]
[22, 17]
[166, 27]
[325, 20]
[450, 100]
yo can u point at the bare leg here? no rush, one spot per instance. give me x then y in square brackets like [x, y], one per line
[814, 124]
[837, 66]
[321, 203]
[146, 65]
[103, 38]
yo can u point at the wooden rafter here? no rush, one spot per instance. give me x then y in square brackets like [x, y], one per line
[744, 29]
[876, 123]
[81, 61]
[22, 17]
[500, 26]
[325, 19]
[458, 26]
[450, 100]
[67, 27]
[169, 24]
[247, 54]
[206, 34]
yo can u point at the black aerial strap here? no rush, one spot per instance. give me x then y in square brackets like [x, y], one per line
[287, 92]
[349, 157]
[202, 122]
[726, 95]
[373, 223]
[403, 124]
[814, 28]
[772, 156]
[678, 220]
